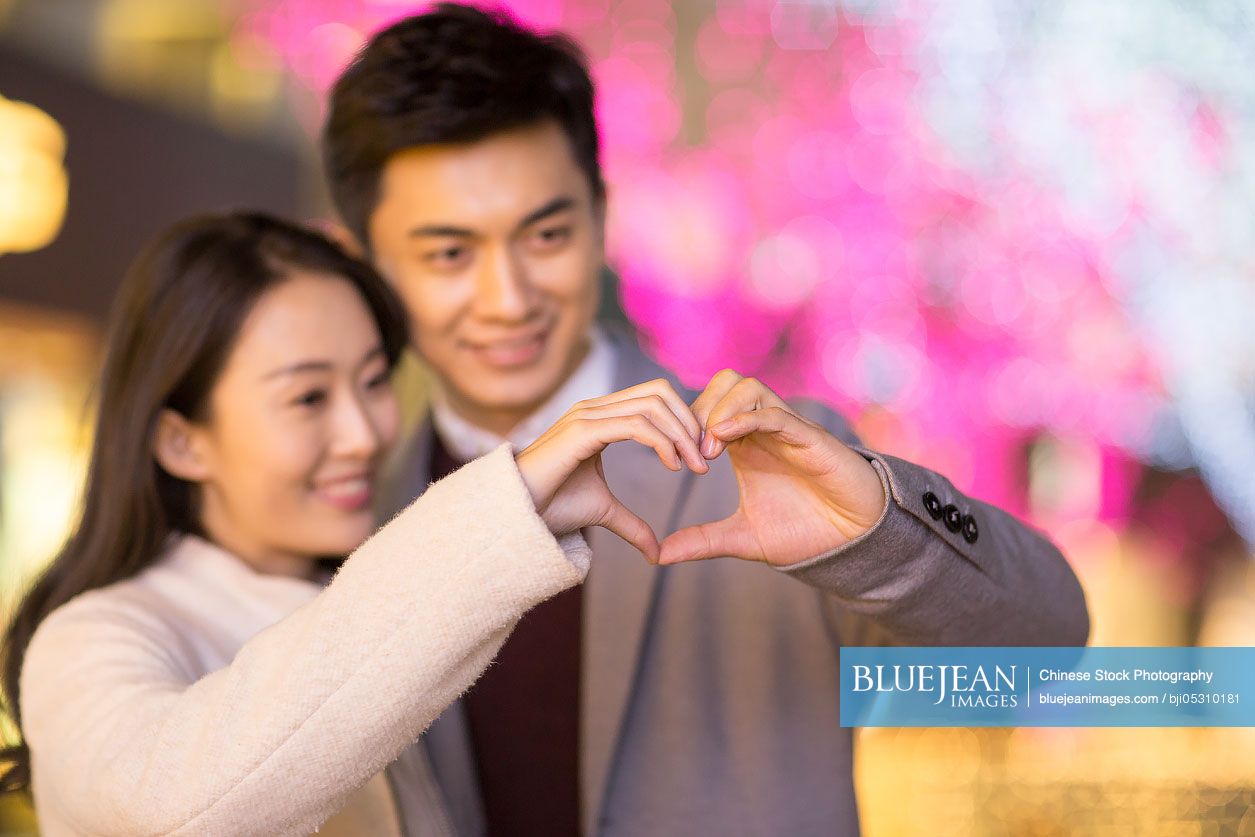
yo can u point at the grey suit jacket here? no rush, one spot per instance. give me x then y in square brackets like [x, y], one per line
[710, 690]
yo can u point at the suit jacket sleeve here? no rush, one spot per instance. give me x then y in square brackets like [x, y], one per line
[909, 580]
[311, 707]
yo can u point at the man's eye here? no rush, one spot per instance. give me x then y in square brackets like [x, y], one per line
[552, 236]
[447, 256]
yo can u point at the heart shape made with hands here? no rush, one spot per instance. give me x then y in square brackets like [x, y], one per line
[803, 492]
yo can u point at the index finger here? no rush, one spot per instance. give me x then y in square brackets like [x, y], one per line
[723, 381]
[661, 388]
[744, 395]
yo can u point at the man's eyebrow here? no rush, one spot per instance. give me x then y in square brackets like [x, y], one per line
[441, 230]
[559, 204]
[553, 207]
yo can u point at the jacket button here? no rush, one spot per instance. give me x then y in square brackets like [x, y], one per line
[933, 504]
[952, 517]
[970, 530]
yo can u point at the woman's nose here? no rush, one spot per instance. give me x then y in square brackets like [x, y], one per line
[356, 433]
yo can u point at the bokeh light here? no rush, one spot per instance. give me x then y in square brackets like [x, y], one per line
[1010, 238]
[998, 220]
[33, 180]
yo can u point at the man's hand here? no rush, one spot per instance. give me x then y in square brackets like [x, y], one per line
[803, 491]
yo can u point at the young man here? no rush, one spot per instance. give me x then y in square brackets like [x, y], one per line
[688, 698]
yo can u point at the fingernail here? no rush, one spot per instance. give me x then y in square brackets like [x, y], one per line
[708, 445]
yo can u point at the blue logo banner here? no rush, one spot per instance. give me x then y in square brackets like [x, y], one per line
[1047, 687]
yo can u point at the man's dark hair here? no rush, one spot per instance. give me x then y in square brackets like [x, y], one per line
[454, 74]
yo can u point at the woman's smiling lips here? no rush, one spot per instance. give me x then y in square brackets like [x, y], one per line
[511, 353]
[348, 493]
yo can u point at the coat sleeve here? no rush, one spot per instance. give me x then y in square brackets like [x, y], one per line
[311, 707]
[986, 579]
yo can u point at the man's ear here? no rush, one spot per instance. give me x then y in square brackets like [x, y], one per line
[599, 213]
[177, 447]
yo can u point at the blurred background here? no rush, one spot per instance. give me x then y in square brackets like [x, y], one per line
[1013, 239]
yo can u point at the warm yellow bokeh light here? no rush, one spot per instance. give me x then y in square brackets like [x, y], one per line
[157, 49]
[33, 182]
[244, 82]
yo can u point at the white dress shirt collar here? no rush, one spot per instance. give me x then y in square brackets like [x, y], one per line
[593, 378]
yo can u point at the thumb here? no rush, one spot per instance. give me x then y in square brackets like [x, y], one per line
[627, 525]
[723, 538]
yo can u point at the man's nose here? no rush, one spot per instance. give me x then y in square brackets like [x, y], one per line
[502, 288]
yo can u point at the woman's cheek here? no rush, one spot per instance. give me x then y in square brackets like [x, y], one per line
[290, 451]
[388, 420]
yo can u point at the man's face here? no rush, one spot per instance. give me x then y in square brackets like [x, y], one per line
[495, 246]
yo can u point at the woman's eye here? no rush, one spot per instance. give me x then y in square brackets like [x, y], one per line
[378, 380]
[313, 398]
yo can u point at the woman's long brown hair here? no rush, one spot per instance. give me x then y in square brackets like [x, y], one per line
[176, 318]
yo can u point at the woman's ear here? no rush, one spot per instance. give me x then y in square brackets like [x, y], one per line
[178, 448]
[343, 236]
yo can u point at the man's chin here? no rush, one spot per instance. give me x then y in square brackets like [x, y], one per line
[510, 394]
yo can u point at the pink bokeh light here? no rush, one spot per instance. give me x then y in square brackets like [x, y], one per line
[782, 205]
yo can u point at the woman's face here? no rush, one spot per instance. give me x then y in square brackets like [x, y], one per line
[299, 421]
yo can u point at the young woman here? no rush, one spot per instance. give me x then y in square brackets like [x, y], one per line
[188, 664]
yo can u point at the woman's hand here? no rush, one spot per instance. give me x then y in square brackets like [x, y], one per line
[562, 469]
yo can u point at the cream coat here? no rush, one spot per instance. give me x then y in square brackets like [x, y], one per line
[201, 697]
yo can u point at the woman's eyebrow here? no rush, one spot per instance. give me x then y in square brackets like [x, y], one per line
[294, 368]
[320, 365]
[374, 352]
